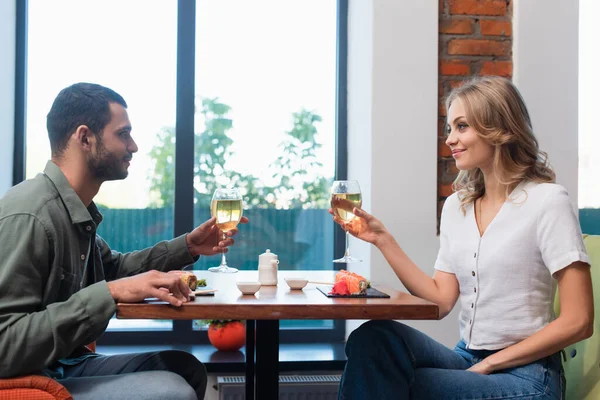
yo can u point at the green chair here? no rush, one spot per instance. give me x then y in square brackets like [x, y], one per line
[582, 367]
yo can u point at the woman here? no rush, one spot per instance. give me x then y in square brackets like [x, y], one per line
[508, 233]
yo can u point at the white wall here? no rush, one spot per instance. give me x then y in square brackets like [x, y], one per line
[360, 110]
[392, 133]
[7, 91]
[545, 53]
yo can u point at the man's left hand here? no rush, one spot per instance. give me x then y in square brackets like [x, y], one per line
[207, 239]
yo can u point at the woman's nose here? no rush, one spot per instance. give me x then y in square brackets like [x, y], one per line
[450, 139]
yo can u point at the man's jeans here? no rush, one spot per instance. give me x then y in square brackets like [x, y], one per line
[389, 360]
[155, 375]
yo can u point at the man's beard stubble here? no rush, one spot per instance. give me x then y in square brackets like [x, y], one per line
[105, 166]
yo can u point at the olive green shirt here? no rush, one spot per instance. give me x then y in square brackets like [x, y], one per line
[53, 272]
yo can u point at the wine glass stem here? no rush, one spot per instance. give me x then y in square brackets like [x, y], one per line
[347, 254]
[223, 260]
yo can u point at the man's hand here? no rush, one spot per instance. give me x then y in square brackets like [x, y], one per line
[207, 239]
[164, 286]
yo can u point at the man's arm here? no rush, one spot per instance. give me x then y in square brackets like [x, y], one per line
[163, 256]
[31, 336]
[167, 255]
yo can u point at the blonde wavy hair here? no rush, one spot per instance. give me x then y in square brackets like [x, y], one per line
[496, 111]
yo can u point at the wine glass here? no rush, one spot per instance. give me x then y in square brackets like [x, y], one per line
[226, 206]
[345, 195]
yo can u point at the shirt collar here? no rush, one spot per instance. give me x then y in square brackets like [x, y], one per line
[519, 193]
[75, 207]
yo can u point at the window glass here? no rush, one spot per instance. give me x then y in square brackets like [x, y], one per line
[116, 44]
[265, 124]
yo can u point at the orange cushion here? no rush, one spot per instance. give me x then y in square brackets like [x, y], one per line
[33, 387]
[26, 394]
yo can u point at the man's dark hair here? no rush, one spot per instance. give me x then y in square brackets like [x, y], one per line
[79, 104]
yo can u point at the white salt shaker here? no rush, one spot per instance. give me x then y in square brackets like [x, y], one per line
[267, 268]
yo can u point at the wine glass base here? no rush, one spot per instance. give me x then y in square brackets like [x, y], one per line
[347, 259]
[223, 269]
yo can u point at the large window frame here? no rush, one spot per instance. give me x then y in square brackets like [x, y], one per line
[589, 205]
[183, 332]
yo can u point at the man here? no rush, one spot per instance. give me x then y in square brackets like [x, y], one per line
[59, 281]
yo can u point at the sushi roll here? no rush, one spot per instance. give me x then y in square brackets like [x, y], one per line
[354, 283]
[190, 279]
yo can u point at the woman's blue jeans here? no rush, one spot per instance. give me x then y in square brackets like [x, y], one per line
[390, 360]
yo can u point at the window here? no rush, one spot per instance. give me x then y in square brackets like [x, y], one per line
[589, 141]
[266, 107]
[138, 61]
[265, 123]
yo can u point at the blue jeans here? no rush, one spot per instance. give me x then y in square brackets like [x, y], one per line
[160, 375]
[389, 360]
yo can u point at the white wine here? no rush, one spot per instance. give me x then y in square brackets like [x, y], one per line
[228, 213]
[343, 204]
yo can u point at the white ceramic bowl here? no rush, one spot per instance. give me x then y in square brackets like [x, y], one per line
[296, 283]
[248, 287]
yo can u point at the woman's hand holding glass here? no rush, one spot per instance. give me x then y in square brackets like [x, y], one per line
[363, 226]
[345, 196]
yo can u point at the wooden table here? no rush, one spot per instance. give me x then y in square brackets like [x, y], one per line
[271, 304]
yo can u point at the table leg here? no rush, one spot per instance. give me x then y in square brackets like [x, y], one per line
[267, 359]
[250, 324]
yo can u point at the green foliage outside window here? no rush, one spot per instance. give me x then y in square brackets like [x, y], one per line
[296, 170]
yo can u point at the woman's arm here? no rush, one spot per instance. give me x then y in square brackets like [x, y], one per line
[442, 289]
[575, 323]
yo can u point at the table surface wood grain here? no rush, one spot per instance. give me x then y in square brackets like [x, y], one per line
[280, 302]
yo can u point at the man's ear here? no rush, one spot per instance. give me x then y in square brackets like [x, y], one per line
[84, 137]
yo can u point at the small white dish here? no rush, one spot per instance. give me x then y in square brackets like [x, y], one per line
[296, 283]
[248, 287]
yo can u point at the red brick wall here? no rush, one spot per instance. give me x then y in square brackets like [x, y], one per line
[475, 38]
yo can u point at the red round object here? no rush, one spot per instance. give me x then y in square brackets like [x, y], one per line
[228, 337]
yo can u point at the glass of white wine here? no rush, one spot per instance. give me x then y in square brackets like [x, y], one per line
[226, 206]
[345, 195]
